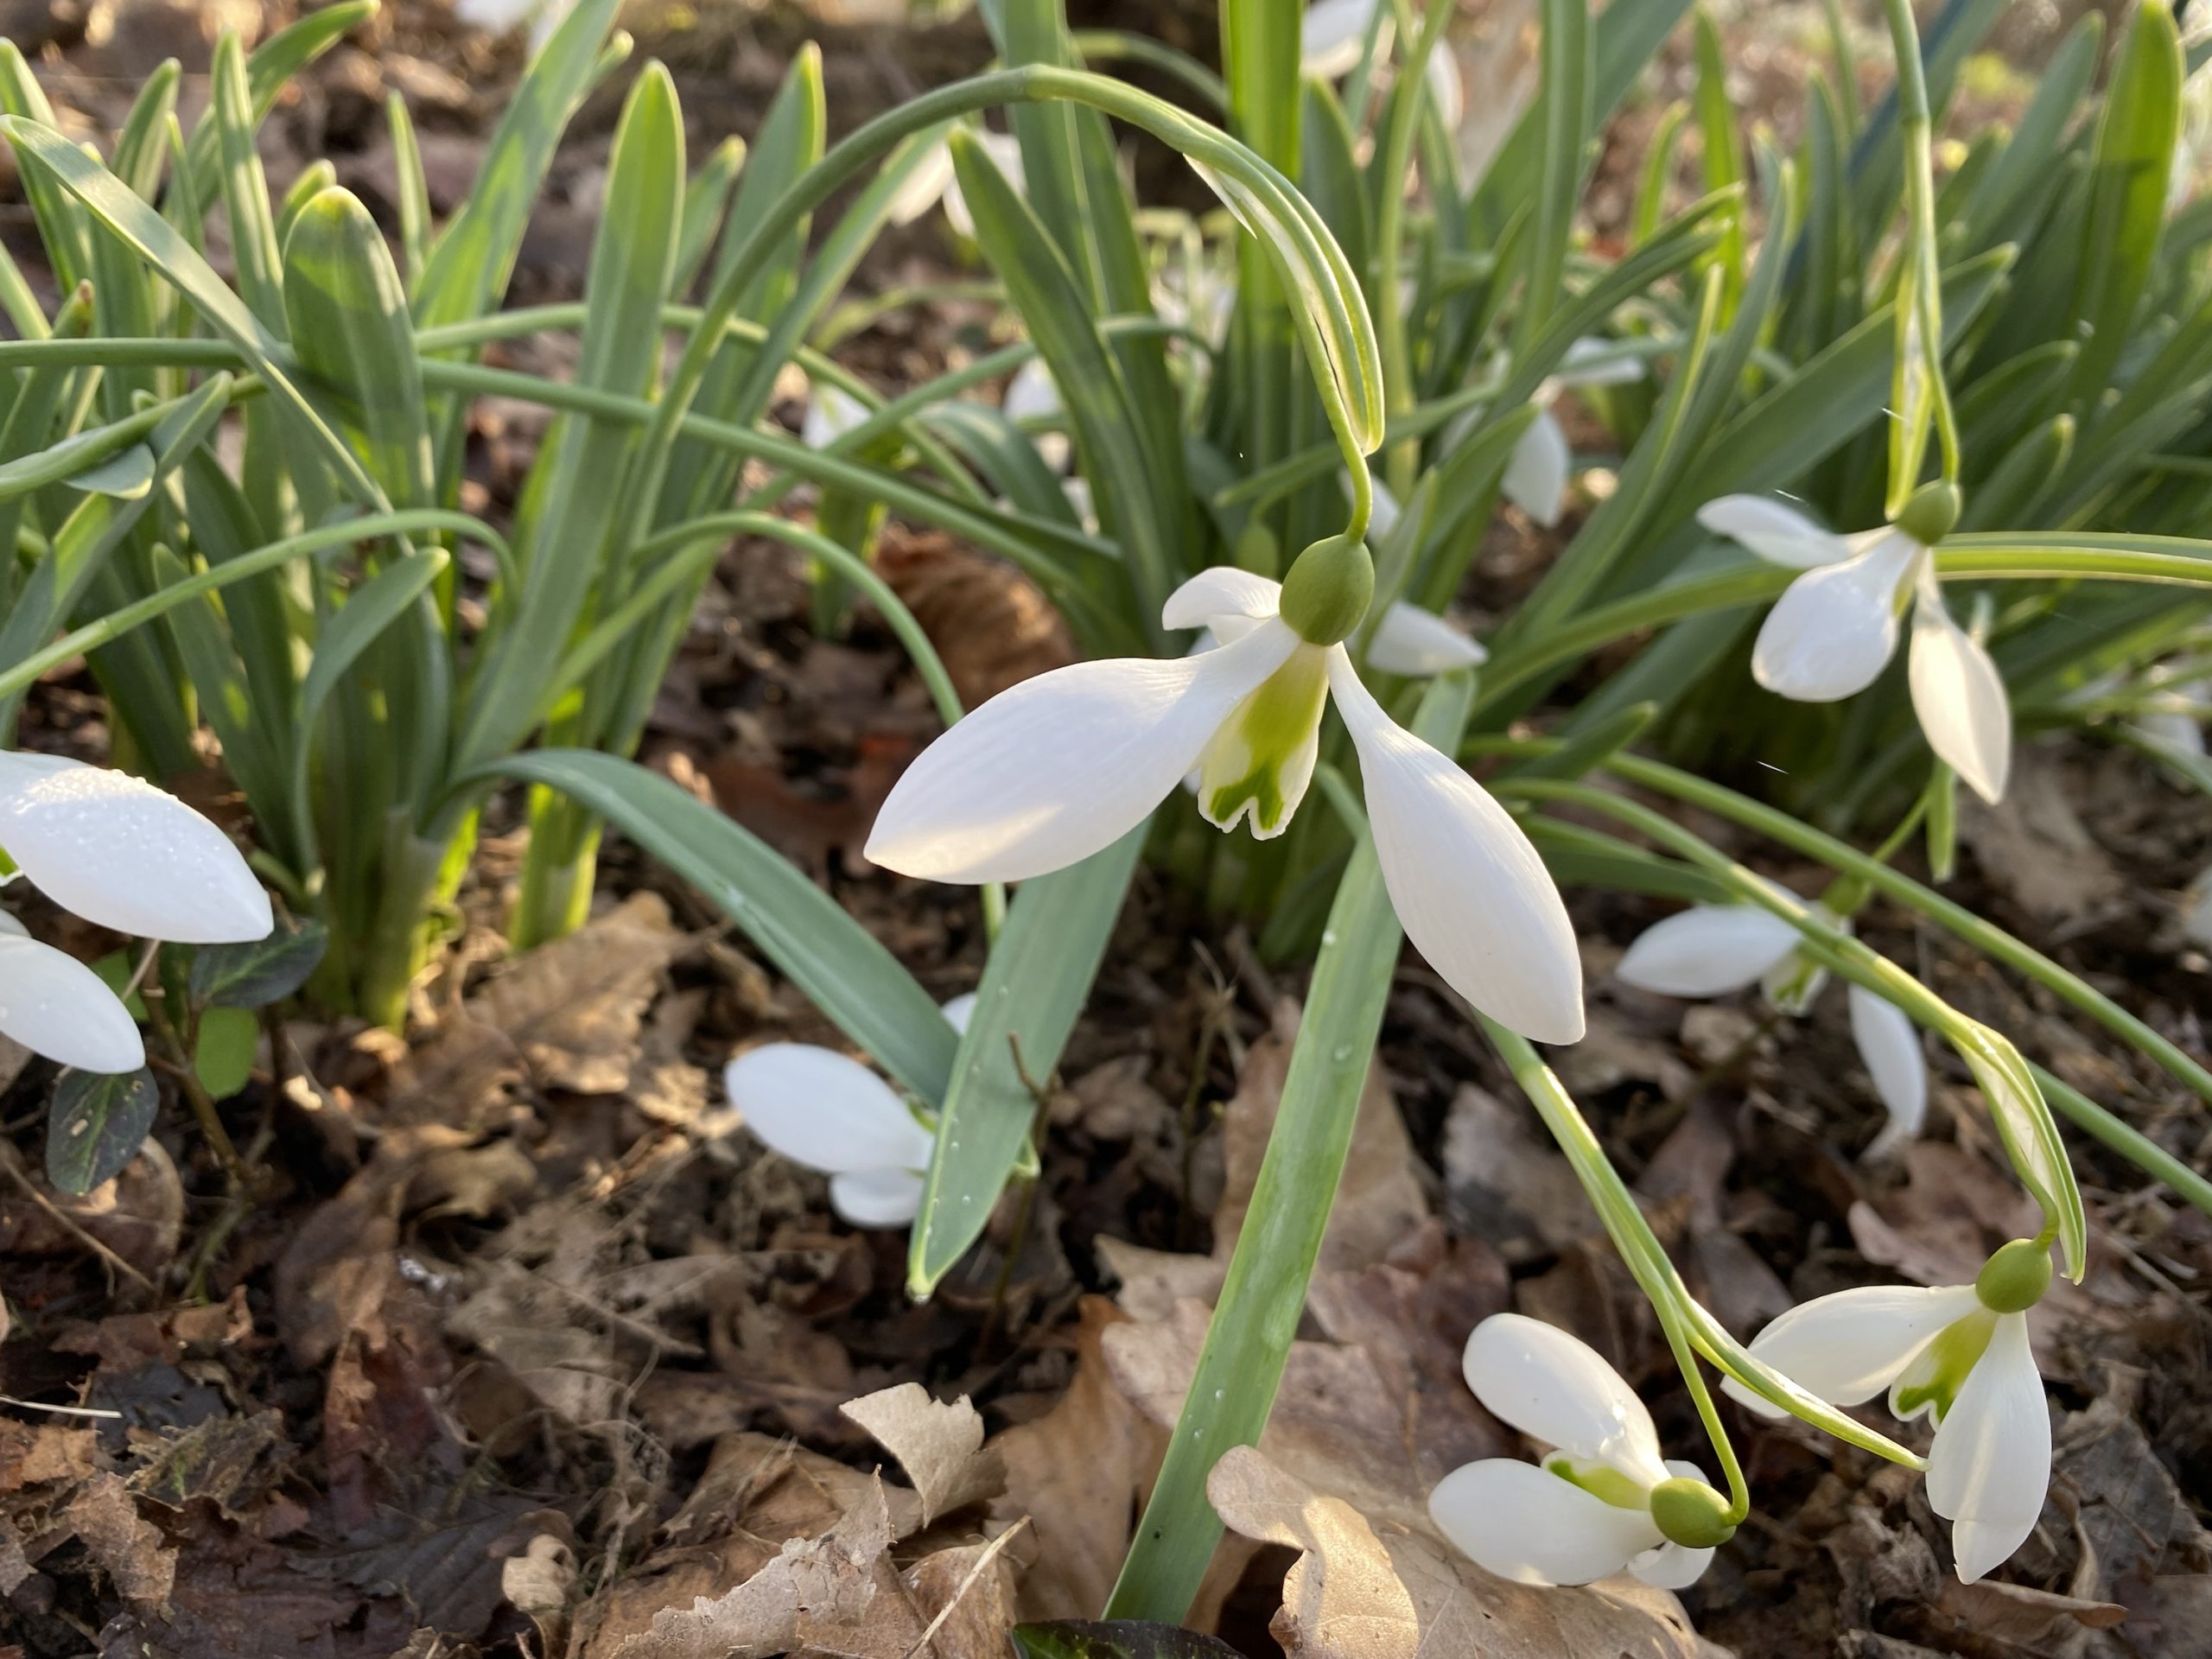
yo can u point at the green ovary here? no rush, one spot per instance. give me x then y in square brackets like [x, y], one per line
[1940, 1369]
[1261, 759]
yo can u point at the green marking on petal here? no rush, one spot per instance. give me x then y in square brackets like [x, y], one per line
[1261, 759]
[1932, 1382]
[1600, 1480]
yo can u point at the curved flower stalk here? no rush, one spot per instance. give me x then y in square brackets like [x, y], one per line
[1602, 1501]
[122, 855]
[1958, 1354]
[1835, 628]
[1718, 949]
[1536, 477]
[1333, 33]
[1062, 765]
[826, 1110]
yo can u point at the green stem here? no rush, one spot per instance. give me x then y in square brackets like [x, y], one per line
[1390, 235]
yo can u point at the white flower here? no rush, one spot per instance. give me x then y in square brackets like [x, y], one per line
[1330, 36]
[831, 412]
[1063, 766]
[497, 17]
[2196, 910]
[934, 179]
[1717, 949]
[122, 855]
[1536, 477]
[1033, 395]
[1585, 1512]
[1835, 628]
[826, 1110]
[2172, 719]
[1949, 1353]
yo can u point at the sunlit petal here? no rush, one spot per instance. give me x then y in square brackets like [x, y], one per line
[876, 1197]
[1558, 1390]
[1959, 696]
[118, 851]
[1032, 394]
[54, 1005]
[1330, 35]
[1444, 89]
[1528, 1525]
[1671, 1566]
[1047, 773]
[831, 411]
[822, 1108]
[1536, 477]
[1707, 950]
[1890, 1044]
[959, 1011]
[924, 187]
[1003, 151]
[1990, 1467]
[1591, 362]
[1473, 895]
[1848, 1347]
[1220, 590]
[1832, 631]
[1778, 533]
[1409, 640]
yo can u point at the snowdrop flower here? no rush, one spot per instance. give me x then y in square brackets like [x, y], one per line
[1033, 395]
[1333, 33]
[2171, 722]
[497, 17]
[1603, 1500]
[1717, 949]
[1958, 1353]
[1064, 765]
[1835, 628]
[826, 1110]
[1537, 476]
[122, 855]
[831, 412]
[933, 179]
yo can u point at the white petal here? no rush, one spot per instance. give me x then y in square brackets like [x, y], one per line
[1834, 629]
[121, 852]
[1529, 1525]
[1557, 1389]
[1330, 34]
[1003, 151]
[1959, 696]
[831, 412]
[824, 1109]
[959, 1011]
[924, 187]
[1848, 1347]
[1032, 394]
[1536, 477]
[876, 1197]
[1707, 950]
[1077, 490]
[1046, 774]
[1409, 640]
[1778, 534]
[1990, 1467]
[1890, 1044]
[1671, 1566]
[2169, 728]
[1473, 895]
[1604, 363]
[1443, 89]
[1220, 590]
[54, 1005]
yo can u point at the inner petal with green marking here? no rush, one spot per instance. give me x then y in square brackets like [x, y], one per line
[1600, 1480]
[1260, 760]
[1932, 1382]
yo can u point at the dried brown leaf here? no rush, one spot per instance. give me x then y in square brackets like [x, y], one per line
[939, 1446]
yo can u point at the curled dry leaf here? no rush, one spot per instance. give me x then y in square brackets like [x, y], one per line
[940, 1446]
[1342, 1599]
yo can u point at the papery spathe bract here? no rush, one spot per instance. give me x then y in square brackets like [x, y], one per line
[54, 1005]
[1958, 1354]
[120, 853]
[1585, 1512]
[1063, 766]
[1835, 628]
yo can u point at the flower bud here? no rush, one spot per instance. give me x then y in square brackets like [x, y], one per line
[1931, 513]
[1326, 594]
[2014, 1280]
[1691, 1514]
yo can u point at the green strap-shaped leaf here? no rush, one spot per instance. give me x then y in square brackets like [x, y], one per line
[1565, 110]
[1034, 987]
[835, 961]
[62, 224]
[274, 61]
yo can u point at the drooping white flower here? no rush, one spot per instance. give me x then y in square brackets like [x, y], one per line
[54, 1005]
[1586, 1511]
[497, 17]
[935, 180]
[1536, 477]
[831, 411]
[1064, 765]
[1332, 32]
[826, 1110]
[1835, 628]
[1033, 395]
[1957, 1353]
[1718, 949]
[124, 854]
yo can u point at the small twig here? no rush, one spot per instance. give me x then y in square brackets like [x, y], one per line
[61, 1411]
[12, 1165]
[990, 1553]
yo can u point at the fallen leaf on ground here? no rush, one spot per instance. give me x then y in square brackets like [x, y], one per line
[940, 1446]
